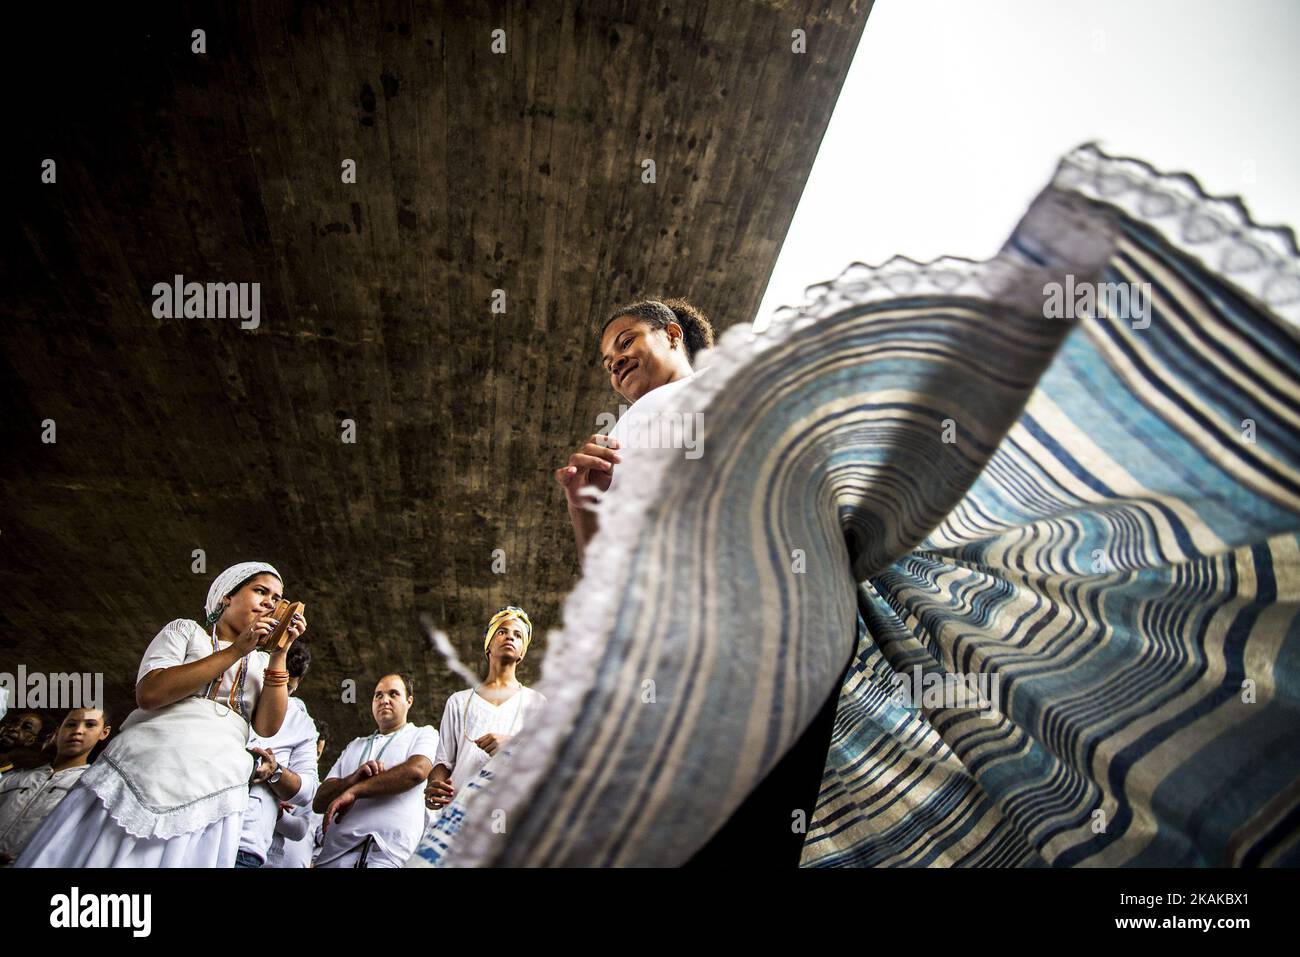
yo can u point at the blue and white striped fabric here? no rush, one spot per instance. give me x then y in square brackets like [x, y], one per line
[1093, 521]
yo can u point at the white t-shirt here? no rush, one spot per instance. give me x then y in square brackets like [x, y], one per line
[396, 821]
[656, 421]
[294, 747]
[467, 717]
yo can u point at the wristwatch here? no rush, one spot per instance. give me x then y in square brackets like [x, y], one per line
[275, 775]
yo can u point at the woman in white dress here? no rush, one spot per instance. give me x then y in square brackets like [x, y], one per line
[170, 789]
[478, 722]
[648, 349]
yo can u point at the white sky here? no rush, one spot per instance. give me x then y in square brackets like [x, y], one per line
[954, 113]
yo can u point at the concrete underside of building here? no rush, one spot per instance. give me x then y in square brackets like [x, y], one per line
[437, 311]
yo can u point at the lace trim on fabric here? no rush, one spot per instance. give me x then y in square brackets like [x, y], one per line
[127, 808]
[1262, 261]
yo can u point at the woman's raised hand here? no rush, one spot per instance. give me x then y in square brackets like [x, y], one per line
[592, 464]
[253, 635]
[297, 625]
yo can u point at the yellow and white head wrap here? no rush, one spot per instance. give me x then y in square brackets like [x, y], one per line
[510, 611]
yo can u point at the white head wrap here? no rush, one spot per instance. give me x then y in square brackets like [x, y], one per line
[226, 582]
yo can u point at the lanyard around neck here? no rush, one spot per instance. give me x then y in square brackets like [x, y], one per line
[370, 743]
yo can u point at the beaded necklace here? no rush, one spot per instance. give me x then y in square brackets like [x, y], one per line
[235, 700]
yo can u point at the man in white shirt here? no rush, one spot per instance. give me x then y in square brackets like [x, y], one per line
[286, 768]
[373, 798]
[26, 797]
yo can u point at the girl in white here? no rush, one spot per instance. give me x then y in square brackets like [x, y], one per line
[170, 789]
[478, 722]
[649, 351]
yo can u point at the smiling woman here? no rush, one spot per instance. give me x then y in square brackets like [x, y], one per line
[648, 349]
[170, 790]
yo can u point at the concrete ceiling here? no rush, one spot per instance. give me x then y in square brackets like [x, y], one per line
[475, 172]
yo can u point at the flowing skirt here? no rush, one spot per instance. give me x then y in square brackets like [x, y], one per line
[1046, 508]
[81, 833]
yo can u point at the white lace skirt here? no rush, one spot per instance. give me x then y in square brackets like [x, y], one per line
[81, 833]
